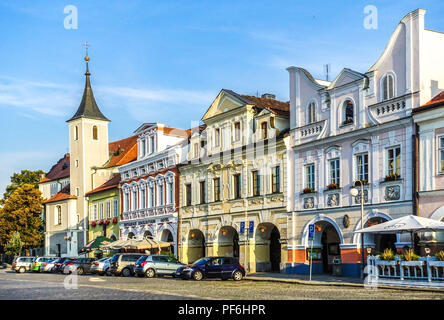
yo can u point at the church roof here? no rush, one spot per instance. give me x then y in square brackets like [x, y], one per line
[88, 107]
[59, 171]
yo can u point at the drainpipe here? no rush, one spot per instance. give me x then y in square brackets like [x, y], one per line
[415, 173]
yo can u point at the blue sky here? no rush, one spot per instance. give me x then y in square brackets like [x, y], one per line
[165, 61]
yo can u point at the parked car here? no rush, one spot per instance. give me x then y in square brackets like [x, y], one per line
[22, 264]
[37, 262]
[101, 267]
[80, 265]
[47, 266]
[59, 264]
[156, 264]
[213, 267]
[123, 263]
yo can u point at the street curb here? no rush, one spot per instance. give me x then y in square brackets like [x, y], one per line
[341, 284]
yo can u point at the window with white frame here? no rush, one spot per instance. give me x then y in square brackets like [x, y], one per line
[394, 161]
[101, 210]
[237, 131]
[108, 209]
[256, 182]
[217, 137]
[388, 87]
[115, 208]
[142, 198]
[276, 179]
[441, 154]
[134, 198]
[203, 192]
[95, 212]
[311, 113]
[161, 191]
[170, 192]
[362, 167]
[152, 144]
[142, 147]
[334, 172]
[310, 176]
[348, 112]
[151, 196]
[126, 201]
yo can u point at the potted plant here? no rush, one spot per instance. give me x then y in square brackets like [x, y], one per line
[93, 224]
[106, 222]
[332, 186]
[308, 190]
[114, 220]
[410, 259]
[439, 262]
[100, 222]
[387, 258]
[392, 177]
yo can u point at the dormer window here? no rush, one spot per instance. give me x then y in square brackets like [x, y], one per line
[348, 112]
[311, 113]
[388, 87]
[142, 147]
[264, 130]
[152, 144]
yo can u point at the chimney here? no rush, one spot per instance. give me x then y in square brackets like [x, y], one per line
[269, 96]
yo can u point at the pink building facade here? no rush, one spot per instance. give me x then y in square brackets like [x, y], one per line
[357, 127]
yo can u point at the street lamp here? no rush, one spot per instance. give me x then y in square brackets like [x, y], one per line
[354, 193]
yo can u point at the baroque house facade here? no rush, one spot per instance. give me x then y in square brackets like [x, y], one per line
[232, 187]
[149, 185]
[357, 128]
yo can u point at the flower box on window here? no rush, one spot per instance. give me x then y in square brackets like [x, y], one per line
[106, 222]
[392, 177]
[308, 190]
[93, 224]
[332, 186]
[114, 220]
[100, 222]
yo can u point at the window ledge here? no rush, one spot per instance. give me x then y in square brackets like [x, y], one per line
[344, 125]
[400, 180]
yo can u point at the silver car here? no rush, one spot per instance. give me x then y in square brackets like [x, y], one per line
[156, 264]
[47, 266]
[101, 267]
[22, 264]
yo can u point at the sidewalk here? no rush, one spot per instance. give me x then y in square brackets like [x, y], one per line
[316, 279]
[326, 280]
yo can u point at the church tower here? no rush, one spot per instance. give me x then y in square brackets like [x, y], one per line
[88, 148]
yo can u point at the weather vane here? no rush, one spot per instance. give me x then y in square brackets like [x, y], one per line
[86, 46]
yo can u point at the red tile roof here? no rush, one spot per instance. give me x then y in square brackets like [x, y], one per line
[58, 171]
[124, 151]
[275, 106]
[436, 101]
[61, 195]
[110, 184]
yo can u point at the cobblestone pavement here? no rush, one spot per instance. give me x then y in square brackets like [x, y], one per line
[51, 286]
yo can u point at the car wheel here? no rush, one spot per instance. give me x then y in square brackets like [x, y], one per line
[80, 271]
[22, 270]
[237, 275]
[108, 273]
[150, 273]
[197, 275]
[126, 272]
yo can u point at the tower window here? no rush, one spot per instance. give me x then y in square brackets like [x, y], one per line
[76, 133]
[95, 133]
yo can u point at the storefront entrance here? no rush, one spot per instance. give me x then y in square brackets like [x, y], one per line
[330, 245]
[228, 242]
[267, 248]
[196, 245]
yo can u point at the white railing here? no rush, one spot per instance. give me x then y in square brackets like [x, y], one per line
[426, 272]
[149, 212]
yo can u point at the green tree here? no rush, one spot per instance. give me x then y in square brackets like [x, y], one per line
[14, 245]
[19, 179]
[22, 213]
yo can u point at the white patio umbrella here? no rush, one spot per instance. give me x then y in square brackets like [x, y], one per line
[410, 223]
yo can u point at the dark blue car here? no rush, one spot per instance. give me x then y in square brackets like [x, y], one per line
[212, 267]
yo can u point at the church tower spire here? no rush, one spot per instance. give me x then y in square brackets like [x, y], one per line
[88, 107]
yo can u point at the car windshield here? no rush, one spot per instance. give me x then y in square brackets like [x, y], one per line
[141, 259]
[202, 261]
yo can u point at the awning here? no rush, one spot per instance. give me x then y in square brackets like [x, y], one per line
[152, 244]
[95, 244]
[408, 223]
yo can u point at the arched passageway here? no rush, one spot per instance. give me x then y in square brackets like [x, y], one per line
[196, 245]
[228, 242]
[267, 248]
